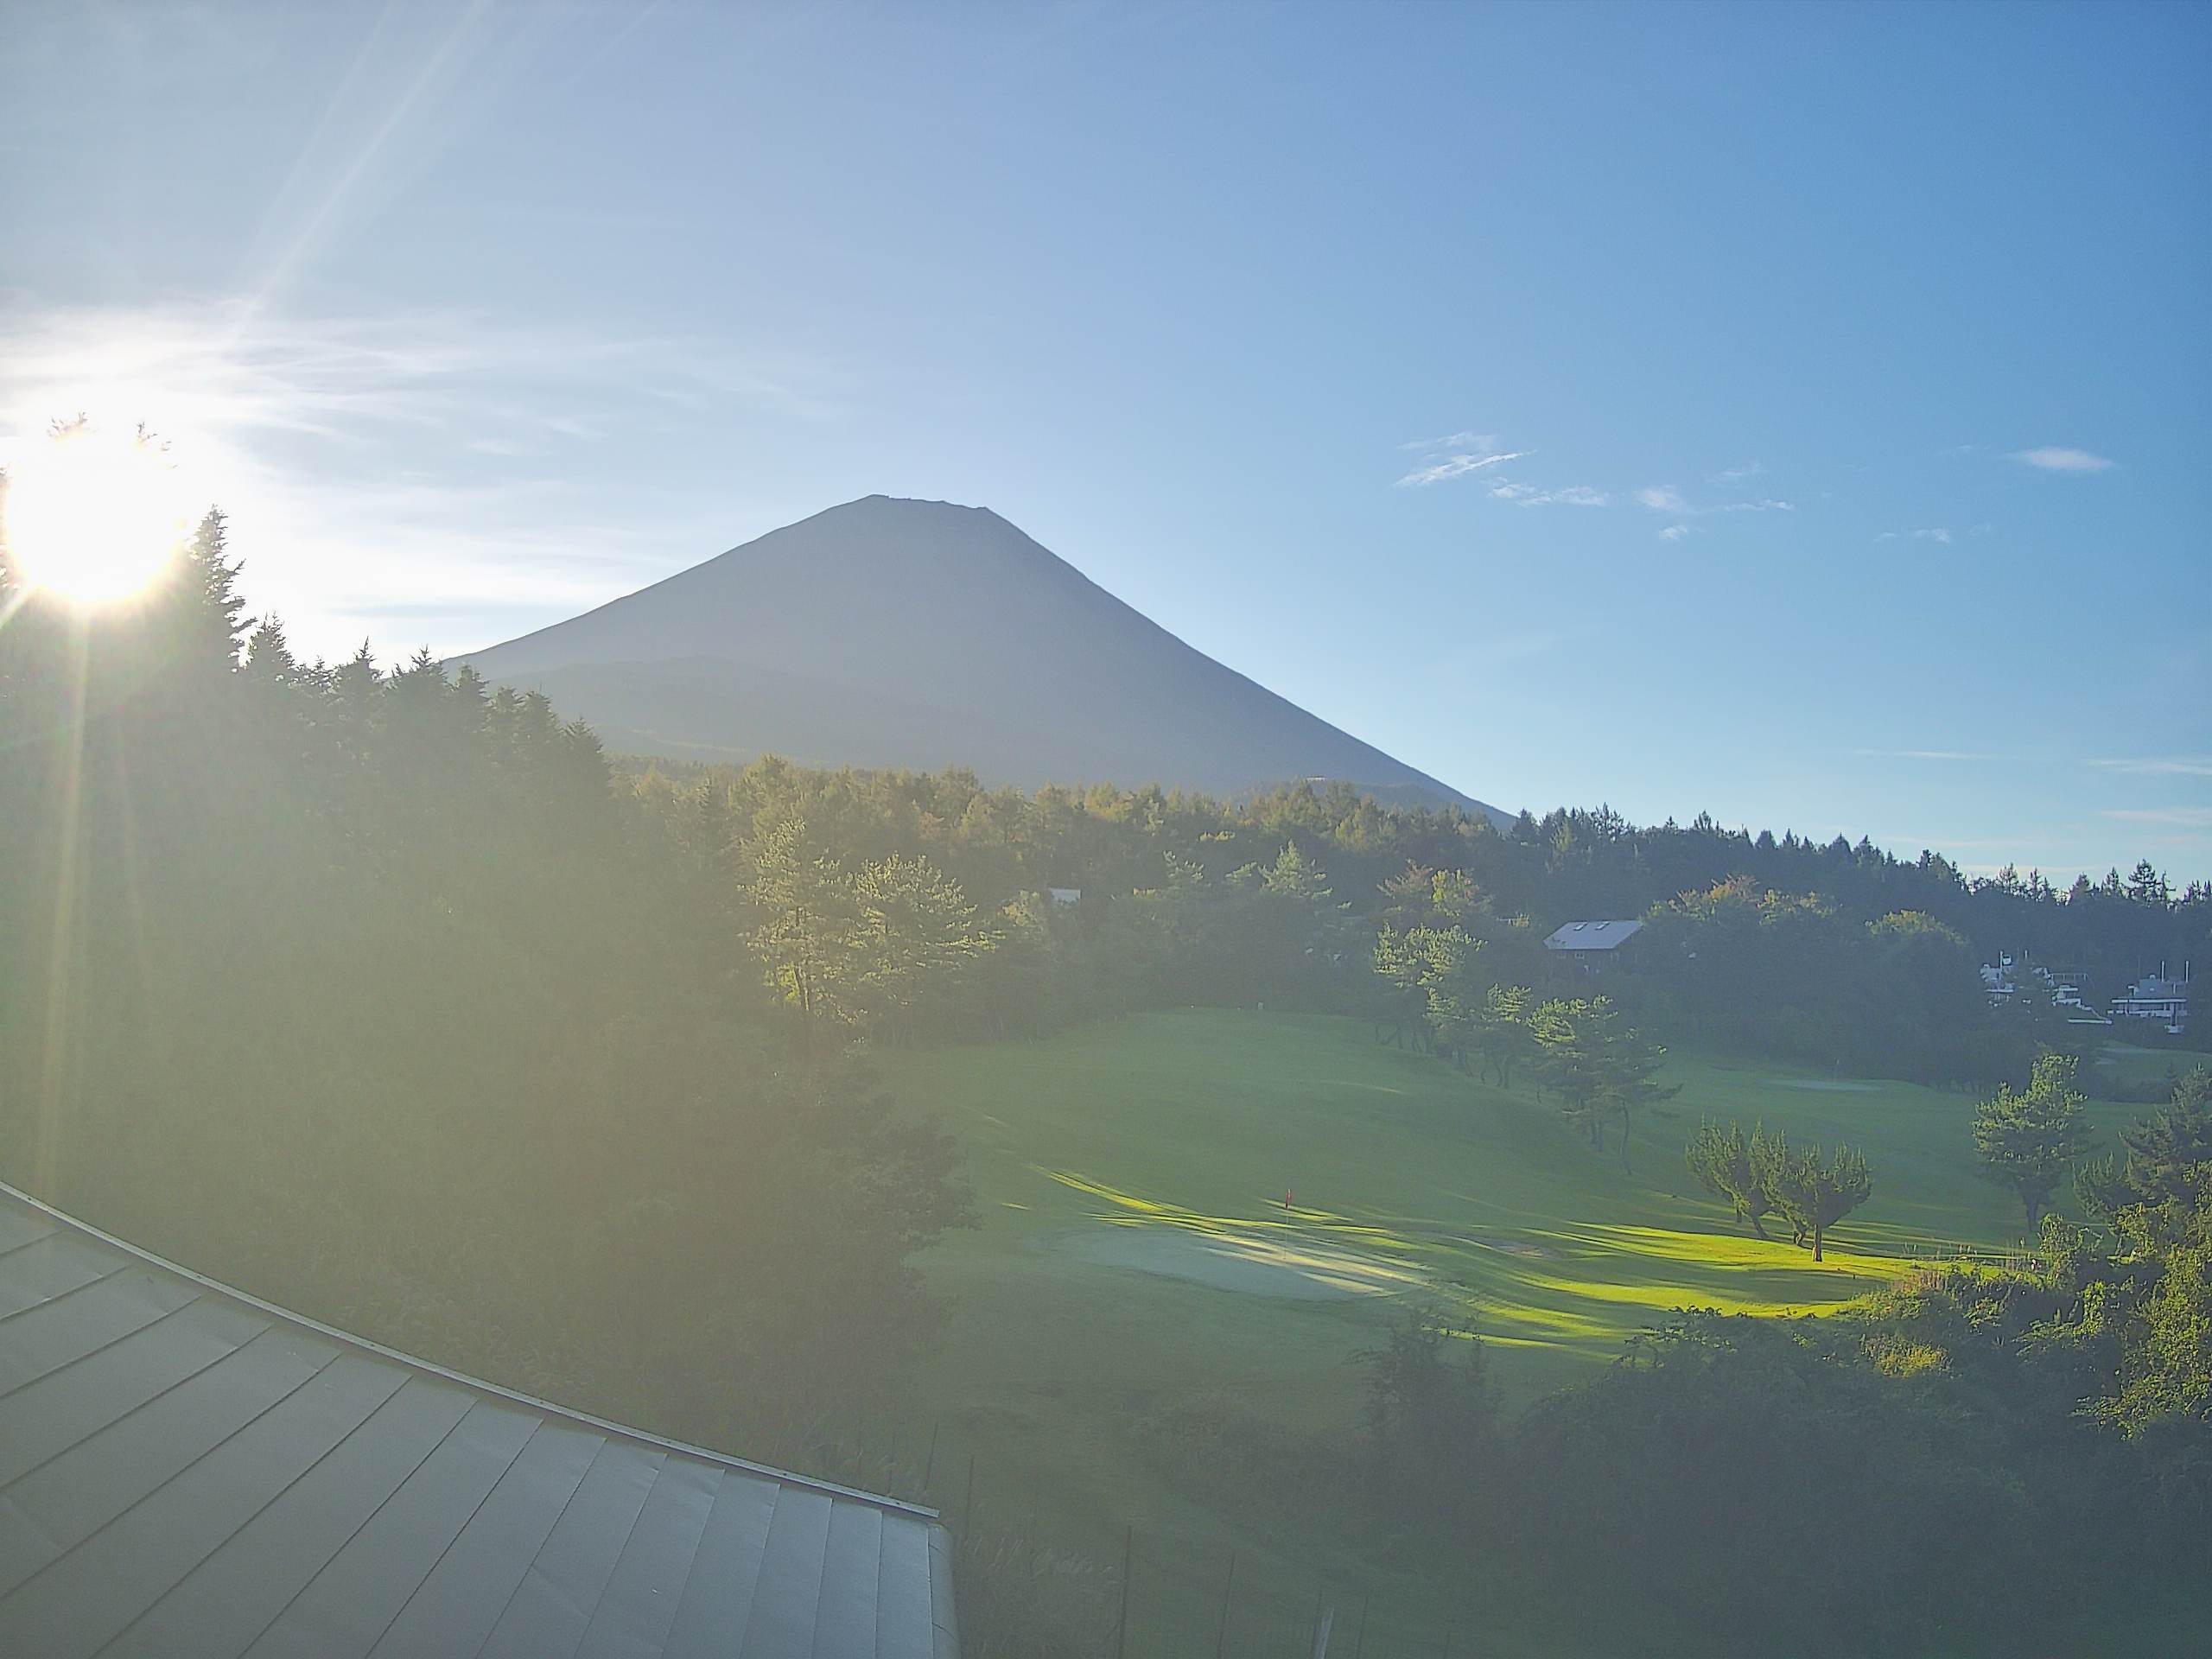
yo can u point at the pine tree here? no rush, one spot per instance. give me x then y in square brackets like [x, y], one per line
[2027, 1138]
[213, 607]
[2168, 1156]
[268, 659]
[1816, 1193]
[1730, 1166]
[805, 938]
[912, 928]
[1501, 1031]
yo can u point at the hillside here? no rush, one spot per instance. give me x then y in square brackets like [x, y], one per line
[1135, 1273]
[921, 635]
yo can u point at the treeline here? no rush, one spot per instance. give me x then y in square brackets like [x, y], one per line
[1968, 1461]
[1569, 865]
[1289, 899]
[371, 992]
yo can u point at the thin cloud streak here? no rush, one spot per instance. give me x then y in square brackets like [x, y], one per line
[1455, 467]
[1528, 495]
[446, 457]
[2182, 818]
[1923, 755]
[2170, 765]
[1665, 497]
[2057, 458]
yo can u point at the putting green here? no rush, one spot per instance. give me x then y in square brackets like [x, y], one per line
[1246, 1264]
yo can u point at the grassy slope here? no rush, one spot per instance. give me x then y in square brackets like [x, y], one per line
[1198, 1120]
[2121, 1061]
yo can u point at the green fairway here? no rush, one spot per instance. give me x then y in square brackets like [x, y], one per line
[2122, 1062]
[1135, 1260]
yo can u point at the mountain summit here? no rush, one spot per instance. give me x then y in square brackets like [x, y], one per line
[888, 633]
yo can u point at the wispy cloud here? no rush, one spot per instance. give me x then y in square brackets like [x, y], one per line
[2056, 458]
[1923, 755]
[1728, 476]
[1674, 532]
[1938, 535]
[2160, 765]
[1528, 495]
[2182, 817]
[1479, 442]
[459, 461]
[1458, 466]
[1665, 497]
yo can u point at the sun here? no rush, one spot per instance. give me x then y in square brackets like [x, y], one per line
[94, 516]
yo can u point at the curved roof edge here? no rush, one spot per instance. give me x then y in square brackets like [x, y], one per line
[550, 1409]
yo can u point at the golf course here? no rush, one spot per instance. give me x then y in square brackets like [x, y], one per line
[1136, 1263]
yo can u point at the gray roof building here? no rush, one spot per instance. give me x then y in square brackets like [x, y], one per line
[188, 1471]
[1592, 936]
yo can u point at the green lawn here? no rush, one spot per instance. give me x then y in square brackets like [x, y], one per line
[2121, 1061]
[1168, 1140]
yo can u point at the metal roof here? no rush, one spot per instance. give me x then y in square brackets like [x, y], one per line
[1590, 936]
[185, 1470]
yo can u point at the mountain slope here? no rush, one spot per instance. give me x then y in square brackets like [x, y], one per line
[920, 634]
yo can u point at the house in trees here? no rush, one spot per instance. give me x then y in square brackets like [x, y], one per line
[2154, 996]
[188, 1471]
[1590, 948]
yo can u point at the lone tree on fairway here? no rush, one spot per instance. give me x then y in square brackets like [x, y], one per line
[1501, 1031]
[2027, 1138]
[1569, 1034]
[1631, 1062]
[1728, 1166]
[1601, 1069]
[1816, 1194]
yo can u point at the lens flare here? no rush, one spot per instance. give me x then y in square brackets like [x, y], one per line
[92, 517]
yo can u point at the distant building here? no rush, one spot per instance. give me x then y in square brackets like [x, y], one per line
[1997, 979]
[1591, 947]
[2005, 978]
[1069, 897]
[2156, 997]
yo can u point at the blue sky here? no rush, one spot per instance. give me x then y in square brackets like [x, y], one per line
[1796, 412]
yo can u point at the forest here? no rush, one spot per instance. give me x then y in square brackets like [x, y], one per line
[392, 997]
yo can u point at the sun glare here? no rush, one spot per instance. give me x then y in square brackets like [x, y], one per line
[93, 516]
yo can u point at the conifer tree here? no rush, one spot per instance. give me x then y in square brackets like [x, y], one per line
[1816, 1193]
[2027, 1138]
[1729, 1166]
[804, 935]
[2167, 1156]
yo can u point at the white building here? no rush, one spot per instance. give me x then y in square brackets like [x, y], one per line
[2156, 997]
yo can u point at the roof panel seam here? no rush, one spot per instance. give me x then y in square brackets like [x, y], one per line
[277, 1616]
[63, 1296]
[163, 1485]
[314, 1464]
[158, 1394]
[431, 1572]
[190, 1301]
